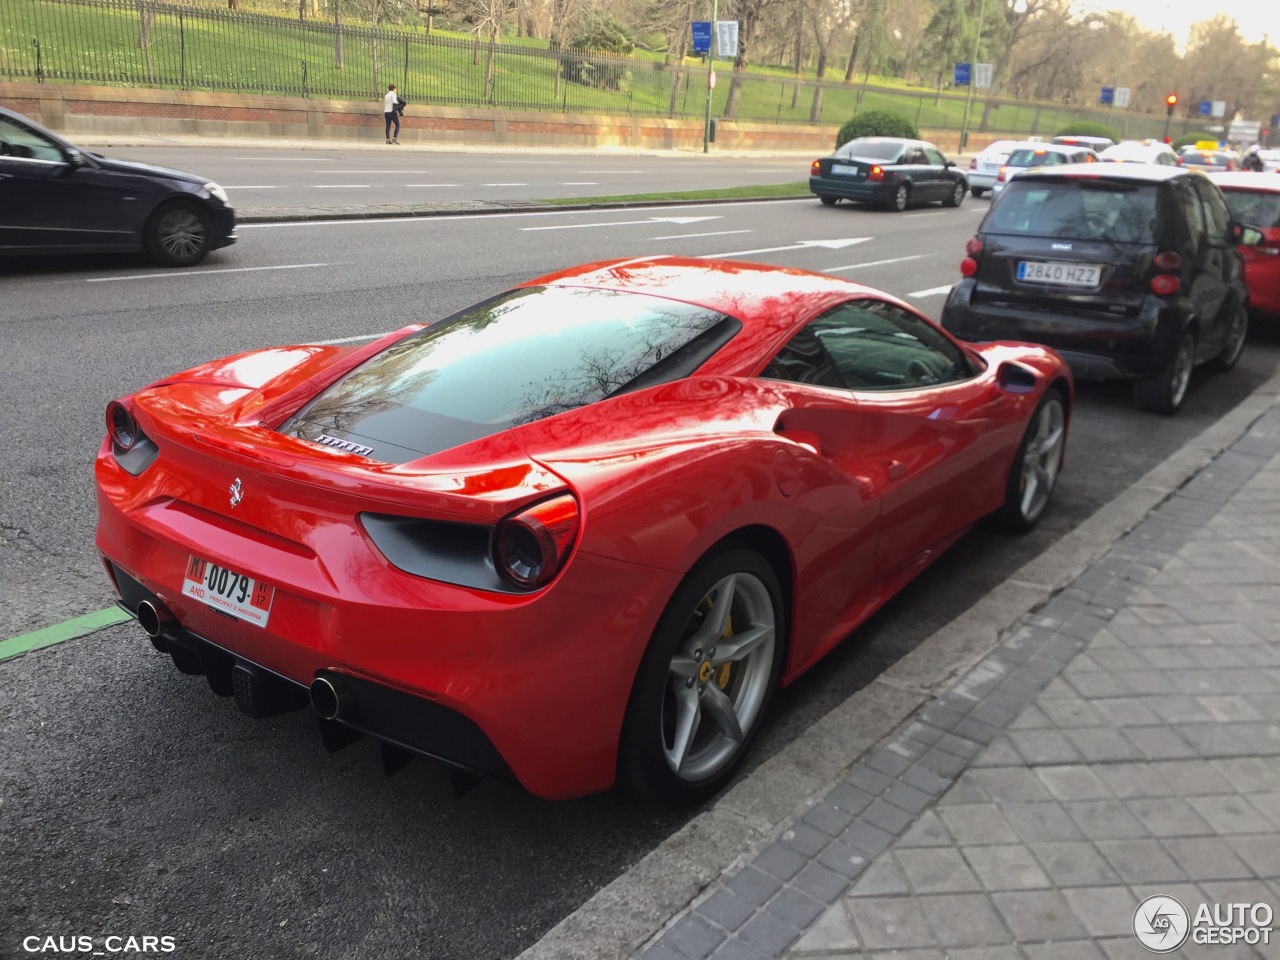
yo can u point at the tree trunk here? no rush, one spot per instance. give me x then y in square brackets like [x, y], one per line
[302, 11]
[815, 110]
[799, 59]
[675, 81]
[853, 55]
[746, 34]
[146, 20]
[337, 34]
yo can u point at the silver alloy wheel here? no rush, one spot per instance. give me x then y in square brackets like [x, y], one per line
[719, 677]
[1180, 375]
[181, 234]
[1234, 345]
[957, 195]
[1042, 458]
[901, 197]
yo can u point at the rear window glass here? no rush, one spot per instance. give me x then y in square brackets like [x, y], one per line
[524, 355]
[1255, 209]
[1076, 210]
[871, 149]
[1207, 159]
[1033, 158]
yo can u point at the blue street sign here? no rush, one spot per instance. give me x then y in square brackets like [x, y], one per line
[962, 74]
[702, 36]
[1206, 107]
[1275, 120]
[1108, 95]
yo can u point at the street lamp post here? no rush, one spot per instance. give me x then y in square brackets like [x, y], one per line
[973, 76]
[711, 72]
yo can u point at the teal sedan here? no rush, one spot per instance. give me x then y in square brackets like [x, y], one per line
[888, 171]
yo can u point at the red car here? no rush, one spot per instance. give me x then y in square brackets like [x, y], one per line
[1254, 199]
[577, 533]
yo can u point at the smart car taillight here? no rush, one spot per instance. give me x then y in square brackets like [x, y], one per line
[1164, 284]
[815, 168]
[533, 544]
[876, 173]
[1168, 260]
[973, 246]
[121, 427]
[968, 267]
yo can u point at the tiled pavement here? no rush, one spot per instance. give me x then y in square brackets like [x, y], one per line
[1124, 742]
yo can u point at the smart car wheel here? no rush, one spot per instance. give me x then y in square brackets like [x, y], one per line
[705, 680]
[1034, 473]
[901, 197]
[1164, 392]
[1233, 342]
[178, 235]
[827, 199]
[957, 196]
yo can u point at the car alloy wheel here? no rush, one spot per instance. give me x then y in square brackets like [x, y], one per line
[1034, 474]
[957, 196]
[901, 197]
[706, 680]
[1165, 392]
[1233, 342]
[179, 235]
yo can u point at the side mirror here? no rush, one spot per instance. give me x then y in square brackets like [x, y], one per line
[1243, 235]
[74, 157]
[1015, 378]
[950, 163]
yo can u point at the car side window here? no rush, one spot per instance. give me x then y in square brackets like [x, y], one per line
[1193, 215]
[1217, 216]
[870, 345]
[914, 156]
[935, 157]
[23, 143]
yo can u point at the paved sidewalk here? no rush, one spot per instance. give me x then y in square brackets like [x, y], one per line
[1123, 743]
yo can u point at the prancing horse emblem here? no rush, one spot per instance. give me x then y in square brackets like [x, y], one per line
[236, 494]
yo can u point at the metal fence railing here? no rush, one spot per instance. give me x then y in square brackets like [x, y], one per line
[156, 44]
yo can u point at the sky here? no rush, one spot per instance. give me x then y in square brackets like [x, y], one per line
[1255, 17]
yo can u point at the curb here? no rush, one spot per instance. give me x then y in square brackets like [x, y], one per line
[641, 904]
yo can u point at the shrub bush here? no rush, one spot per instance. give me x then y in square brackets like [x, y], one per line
[876, 123]
[1088, 128]
[1189, 139]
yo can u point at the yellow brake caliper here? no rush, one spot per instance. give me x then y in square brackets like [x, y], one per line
[725, 673]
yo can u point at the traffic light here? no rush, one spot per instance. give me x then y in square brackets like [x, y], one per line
[1171, 101]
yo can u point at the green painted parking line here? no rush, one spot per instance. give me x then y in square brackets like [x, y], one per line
[61, 632]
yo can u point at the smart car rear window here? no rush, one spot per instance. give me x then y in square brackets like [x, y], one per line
[522, 356]
[1076, 209]
[1260, 210]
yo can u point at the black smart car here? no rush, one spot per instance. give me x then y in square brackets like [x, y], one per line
[889, 171]
[57, 198]
[1127, 270]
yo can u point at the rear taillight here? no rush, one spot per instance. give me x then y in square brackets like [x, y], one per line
[876, 173]
[968, 267]
[532, 545]
[973, 246]
[816, 168]
[121, 427]
[973, 164]
[1168, 260]
[1164, 284]
[1000, 176]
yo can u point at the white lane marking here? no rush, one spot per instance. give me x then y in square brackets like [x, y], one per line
[581, 183]
[506, 184]
[623, 223]
[685, 236]
[338, 340]
[245, 186]
[930, 213]
[430, 184]
[341, 186]
[291, 159]
[877, 263]
[331, 170]
[610, 171]
[187, 273]
[801, 245]
[528, 163]
[932, 291]
[498, 216]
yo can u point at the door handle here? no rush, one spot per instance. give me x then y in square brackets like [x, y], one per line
[895, 469]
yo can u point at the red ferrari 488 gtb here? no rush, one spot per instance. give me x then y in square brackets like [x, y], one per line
[577, 533]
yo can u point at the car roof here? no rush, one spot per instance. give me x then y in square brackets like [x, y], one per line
[1245, 180]
[1144, 172]
[1050, 147]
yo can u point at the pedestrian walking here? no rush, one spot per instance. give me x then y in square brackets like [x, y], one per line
[392, 107]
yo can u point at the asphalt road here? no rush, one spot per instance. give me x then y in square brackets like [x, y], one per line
[133, 802]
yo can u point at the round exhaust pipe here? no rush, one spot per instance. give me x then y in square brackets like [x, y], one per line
[155, 619]
[331, 697]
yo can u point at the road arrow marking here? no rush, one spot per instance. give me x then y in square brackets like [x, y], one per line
[829, 244]
[624, 223]
[932, 291]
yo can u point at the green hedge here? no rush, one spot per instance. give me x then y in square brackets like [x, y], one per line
[876, 123]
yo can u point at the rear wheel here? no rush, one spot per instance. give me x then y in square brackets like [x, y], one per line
[957, 195]
[1233, 342]
[1165, 392]
[1034, 473]
[977, 191]
[827, 199]
[705, 680]
[901, 197]
[178, 235]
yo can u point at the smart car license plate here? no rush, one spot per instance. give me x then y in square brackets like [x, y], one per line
[844, 170]
[226, 590]
[1063, 274]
